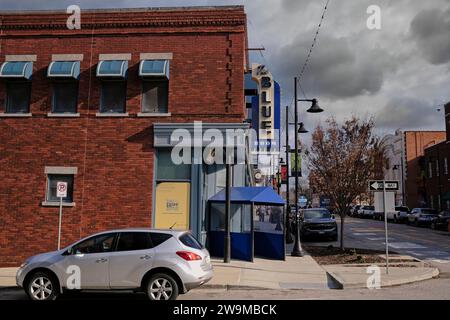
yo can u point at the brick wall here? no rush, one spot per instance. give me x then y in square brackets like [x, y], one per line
[114, 156]
[415, 144]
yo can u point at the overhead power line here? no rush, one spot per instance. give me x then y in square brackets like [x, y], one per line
[308, 57]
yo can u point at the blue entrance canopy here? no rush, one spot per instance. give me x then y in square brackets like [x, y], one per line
[64, 69]
[256, 195]
[17, 69]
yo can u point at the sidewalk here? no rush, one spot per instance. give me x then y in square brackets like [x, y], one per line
[8, 277]
[294, 273]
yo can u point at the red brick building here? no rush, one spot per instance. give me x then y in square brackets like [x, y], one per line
[415, 144]
[81, 106]
[436, 166]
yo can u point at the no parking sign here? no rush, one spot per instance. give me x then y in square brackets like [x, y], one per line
[61, 189]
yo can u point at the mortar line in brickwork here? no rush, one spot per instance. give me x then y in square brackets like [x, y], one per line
[87, 125]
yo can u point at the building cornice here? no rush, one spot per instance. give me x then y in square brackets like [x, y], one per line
[129, 18]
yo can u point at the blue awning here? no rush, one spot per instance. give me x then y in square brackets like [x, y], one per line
[112, 68]
[17, 69]
[257, 195]
[154, 68]
[64, 69]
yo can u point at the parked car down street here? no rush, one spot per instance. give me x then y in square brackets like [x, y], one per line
[441, 221]
[422, 216]
[367, 212]
[318, 223]
[399, 215]
[161, 263]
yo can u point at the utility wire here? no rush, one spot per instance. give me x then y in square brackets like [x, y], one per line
[308, 57]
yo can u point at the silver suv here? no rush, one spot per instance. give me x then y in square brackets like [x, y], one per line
[162, 263]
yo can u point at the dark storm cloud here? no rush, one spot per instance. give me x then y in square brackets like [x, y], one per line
[336, 70]
[431, 31]
[408, 112]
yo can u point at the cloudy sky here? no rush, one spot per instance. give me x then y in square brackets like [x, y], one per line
[398, 74]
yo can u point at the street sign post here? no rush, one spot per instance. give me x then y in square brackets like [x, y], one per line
[384, 185]
[61, 192]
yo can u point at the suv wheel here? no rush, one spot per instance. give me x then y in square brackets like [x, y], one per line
[42, 286]
[161, 286]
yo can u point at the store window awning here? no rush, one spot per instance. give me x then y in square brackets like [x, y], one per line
[64, 69]
[257, 195]
[112, 68]
[154, 68]
[17, 69]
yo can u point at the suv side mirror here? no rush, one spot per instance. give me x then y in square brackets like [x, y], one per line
[333, 216]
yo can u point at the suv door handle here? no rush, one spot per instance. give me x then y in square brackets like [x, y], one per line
[101, 260]
[146, 257]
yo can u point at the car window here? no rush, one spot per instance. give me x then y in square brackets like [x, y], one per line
[188, 240]
[158, 238]
[320, 214]
[96, 244]
[130, 241]
[429, 211]
[402, 209]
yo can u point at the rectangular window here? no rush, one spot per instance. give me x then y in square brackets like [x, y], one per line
[430, 169]
[18, 96]
[113, 96]
[52, 181]
[437, 168]
[155, 96]
[131, 241]
[65, 97]
[445, 166]
[167, 170]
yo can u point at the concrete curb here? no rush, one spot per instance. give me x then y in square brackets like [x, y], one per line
[430, 274]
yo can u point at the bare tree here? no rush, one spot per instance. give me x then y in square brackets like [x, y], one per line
[342, 158]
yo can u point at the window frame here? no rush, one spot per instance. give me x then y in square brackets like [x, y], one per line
[48, 199]
[64, 81]
[125, 87]
[8, 83]
[148, 81]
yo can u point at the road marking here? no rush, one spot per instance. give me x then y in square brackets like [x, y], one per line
[406, 245]
[364, 234]
[440, 261]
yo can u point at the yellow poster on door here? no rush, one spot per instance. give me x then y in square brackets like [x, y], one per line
[172, 205]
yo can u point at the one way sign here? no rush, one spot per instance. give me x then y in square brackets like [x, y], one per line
[377, 185]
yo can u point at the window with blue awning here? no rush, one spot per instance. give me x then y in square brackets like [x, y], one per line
[112, 68]
[154, 68]
[64, 69]
[17, 69]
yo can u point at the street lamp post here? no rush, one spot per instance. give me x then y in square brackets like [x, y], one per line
[297, 250]
[288, 205]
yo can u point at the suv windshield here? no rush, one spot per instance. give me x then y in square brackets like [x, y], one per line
[317, 214]
[402, 209]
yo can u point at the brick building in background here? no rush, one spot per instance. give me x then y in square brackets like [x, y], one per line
[405, 163]
[436, 162]
[95, 107]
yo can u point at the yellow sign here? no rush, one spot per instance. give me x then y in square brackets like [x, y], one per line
[172, 205]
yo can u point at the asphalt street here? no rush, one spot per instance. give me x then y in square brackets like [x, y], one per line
[423, 243]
